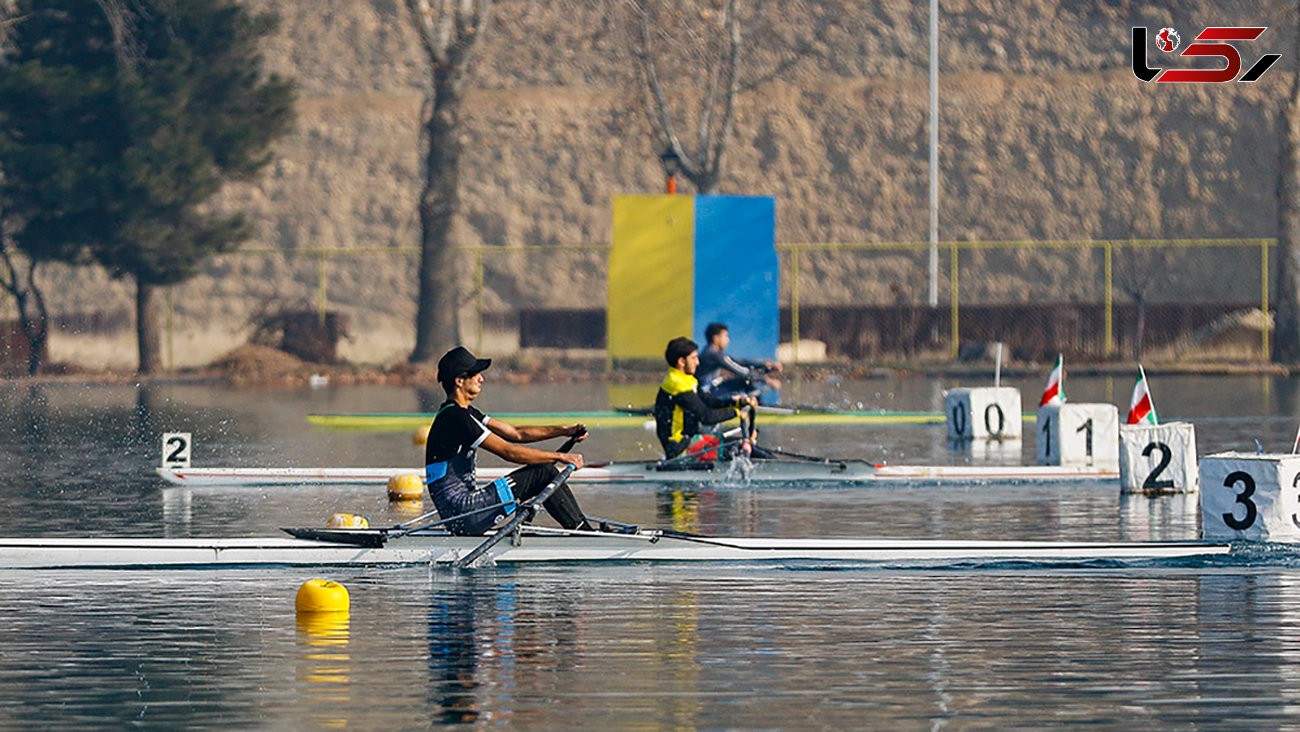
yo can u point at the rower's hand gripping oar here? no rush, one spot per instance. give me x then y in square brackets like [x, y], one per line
[748, 433]
[526, 510]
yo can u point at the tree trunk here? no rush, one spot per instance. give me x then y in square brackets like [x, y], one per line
[33, 316]
[437, 324]
[148, 328]
[1286, 338]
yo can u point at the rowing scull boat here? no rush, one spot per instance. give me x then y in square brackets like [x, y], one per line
[843, 472]
[403, 421]
[539, 544]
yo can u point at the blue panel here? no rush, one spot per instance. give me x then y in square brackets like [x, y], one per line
[736, 276]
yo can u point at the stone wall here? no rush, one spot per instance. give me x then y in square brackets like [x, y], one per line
[1044, 134]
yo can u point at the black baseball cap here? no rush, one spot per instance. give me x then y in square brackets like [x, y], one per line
[460, 362]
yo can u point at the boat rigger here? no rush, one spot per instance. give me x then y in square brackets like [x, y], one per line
[338, 547]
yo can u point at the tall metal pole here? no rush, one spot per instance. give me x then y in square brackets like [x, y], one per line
[934, 153]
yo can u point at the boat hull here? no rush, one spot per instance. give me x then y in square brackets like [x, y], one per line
[540, 545]
[650, 472]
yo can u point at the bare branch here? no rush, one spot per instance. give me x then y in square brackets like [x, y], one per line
[655, 90]
[125, 44]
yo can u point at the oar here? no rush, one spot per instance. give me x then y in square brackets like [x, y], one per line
[526, 511]
[748, 437]
[411, 526]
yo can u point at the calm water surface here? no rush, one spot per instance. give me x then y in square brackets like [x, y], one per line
[1204, 645]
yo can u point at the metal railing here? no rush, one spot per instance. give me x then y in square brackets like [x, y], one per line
[848, 274]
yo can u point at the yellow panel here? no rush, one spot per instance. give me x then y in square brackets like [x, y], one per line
[637, 395]
[651, 274]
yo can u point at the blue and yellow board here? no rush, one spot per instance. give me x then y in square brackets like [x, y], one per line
[678, 263]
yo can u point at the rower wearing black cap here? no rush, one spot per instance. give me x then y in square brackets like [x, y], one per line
[450, 456]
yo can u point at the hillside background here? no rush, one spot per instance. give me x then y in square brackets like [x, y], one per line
[1044, 134]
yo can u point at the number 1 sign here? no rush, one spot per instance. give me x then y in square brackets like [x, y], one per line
[1078, 434]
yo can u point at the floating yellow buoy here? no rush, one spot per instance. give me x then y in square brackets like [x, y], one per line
[348, 521]
[408, 508]
[321, 596]
[407, 487]
[421, 435]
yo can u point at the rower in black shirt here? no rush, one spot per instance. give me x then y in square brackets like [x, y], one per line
[679, 409]
[450, 456]
[721, 375]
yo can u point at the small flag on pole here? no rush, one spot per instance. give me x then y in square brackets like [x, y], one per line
[1053, 394]
[1140, 408]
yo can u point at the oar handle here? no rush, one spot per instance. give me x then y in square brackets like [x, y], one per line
[526, 510]
[569, 443]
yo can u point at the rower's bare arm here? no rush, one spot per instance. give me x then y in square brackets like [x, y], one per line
[522, 455]
[534, 433]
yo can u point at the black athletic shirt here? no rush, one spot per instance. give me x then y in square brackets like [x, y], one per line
[713, 364]
[451, 457]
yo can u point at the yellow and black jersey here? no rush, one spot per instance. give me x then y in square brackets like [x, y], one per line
[679, 411]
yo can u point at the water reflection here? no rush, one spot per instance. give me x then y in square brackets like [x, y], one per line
[988, 452]
[1159, 518]
[731, 511]
[457, 645]
[324, 666]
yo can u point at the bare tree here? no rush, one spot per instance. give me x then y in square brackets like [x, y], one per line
[448, 30]
[1138, 269]
[717, 53]
[1286, 342]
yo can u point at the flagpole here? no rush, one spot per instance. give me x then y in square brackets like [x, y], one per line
[1147, 385]
[997, 369]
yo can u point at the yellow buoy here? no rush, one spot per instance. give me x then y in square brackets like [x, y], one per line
[421, 435]
[322, 596]
[407, 508]
[407, 487]
[348, 521]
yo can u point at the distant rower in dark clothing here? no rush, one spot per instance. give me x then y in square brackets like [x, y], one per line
[679, 409]
[450, 455]
[722, 376]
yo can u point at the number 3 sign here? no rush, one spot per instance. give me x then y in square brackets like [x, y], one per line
[1255, 497]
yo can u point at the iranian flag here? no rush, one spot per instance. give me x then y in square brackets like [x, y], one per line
[1140, 408]
[1053, 394]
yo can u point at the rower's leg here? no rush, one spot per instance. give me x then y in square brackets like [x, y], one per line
[530, 480]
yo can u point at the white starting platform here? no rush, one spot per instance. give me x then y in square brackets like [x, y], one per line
[983, 413]
[1078, 434]
[1157, 459]
[1252, 497]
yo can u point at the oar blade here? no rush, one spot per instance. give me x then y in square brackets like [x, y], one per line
[370, 538]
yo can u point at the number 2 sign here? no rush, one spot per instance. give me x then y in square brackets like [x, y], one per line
[176, 450]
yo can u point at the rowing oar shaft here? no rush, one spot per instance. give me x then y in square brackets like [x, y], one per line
[406, 526]
[525, 512]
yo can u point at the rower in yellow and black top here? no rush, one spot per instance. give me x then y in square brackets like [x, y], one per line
[680, 411]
